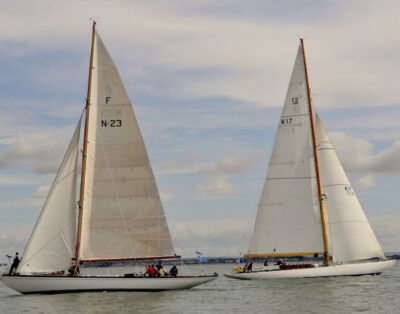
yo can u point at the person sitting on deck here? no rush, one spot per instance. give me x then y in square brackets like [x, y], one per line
[73, 271]
[281, 264]
[151, 271]
[14, 265]
[249, 267]
[160, 269]
[173, 271]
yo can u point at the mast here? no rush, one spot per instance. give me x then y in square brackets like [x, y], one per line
[321, 202]
[84, 151]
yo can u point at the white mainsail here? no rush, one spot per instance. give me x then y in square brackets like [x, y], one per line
[122, 212]
[52, 243]
[351, 236]
[288, 217]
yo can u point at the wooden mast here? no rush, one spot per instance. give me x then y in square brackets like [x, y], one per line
[84, 151]
[321, 201]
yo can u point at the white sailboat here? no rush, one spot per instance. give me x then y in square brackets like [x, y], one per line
[308, 207]
[120, 214]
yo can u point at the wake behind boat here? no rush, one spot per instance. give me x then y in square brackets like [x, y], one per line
[308, 208]
[120, 215]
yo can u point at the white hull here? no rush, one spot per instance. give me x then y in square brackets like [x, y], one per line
[356, 269]
[61, 284]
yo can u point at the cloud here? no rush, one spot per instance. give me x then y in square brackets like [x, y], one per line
[42, 151]
[228, 164]
[13, 180]
[9, 245]
[195, 37]
[216, 175]
[166, 196]
[215, 186]
[231, 165]
[187, 165]
[365, 183]
[221, 237]
[358, 156]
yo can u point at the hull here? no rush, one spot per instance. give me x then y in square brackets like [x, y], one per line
[356, 269]
[60, 284]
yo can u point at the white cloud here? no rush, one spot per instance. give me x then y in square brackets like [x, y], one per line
[358, 155]
[42, 151]
[222, 237]
[187, 165]
[166, 196]
[357, 72]
[13, 180]
[215, 186]
[365, 183]
[231, 164]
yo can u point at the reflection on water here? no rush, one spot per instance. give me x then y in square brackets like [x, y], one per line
[370, 294]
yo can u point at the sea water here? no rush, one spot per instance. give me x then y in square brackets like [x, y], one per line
[368, 294]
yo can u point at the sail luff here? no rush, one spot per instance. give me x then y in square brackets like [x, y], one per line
[314, 144]
[84, 150]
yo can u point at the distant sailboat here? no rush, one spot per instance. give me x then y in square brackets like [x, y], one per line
[120, 213]
[308, 207]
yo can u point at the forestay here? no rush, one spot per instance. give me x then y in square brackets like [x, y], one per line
[351, 236]
[288, 217]
[51, 245]
[122, 211]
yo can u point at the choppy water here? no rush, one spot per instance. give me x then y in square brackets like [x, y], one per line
[368, 294]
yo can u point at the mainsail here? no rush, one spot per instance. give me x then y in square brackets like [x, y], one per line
[351, 236]
[122, 212]
[288, 218]
[51, 245]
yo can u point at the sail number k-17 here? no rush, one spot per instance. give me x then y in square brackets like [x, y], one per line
[111, 123]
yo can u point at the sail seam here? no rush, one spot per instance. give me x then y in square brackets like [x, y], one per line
[288, 178]
[295, 115]
[341, 221]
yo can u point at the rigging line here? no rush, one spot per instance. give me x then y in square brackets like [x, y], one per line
[52, 131]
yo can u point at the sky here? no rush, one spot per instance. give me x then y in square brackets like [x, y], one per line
[207, 80]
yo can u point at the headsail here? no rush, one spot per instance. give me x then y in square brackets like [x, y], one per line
[122, 211]
[51, 246]
[351, 236]
[288, 218]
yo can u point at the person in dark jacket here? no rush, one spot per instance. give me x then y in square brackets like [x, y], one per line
[173, 271]
[73, 271]
[14, 265]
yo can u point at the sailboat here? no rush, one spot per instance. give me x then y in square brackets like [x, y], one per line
[308, 209]
[119, 216]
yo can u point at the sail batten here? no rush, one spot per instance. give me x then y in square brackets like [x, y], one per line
[122, 216]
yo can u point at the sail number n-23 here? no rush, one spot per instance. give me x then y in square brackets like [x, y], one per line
[111, 123]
